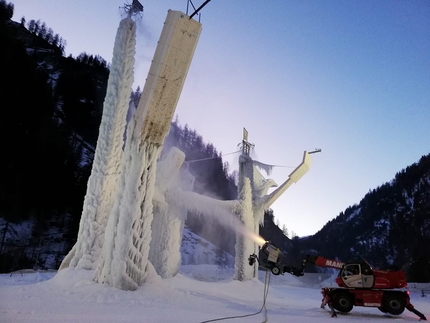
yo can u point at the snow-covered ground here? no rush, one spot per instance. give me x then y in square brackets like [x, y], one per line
[203, 291]
[72, 296]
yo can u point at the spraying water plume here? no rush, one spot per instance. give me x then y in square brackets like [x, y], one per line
[254, 237]
[226, 212]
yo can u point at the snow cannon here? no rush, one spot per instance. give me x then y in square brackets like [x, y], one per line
[270, 258]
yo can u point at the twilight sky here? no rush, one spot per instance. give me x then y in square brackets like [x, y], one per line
[349, 77]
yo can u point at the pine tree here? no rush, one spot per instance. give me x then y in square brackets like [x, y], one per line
[6, 10]
[285, 230]
[42, 30]
[31, 25]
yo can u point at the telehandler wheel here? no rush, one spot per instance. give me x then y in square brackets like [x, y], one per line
[276, 271]
[382, 309]
[343, 302]
[394, 304]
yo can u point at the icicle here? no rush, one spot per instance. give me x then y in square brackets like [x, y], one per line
[267, 168]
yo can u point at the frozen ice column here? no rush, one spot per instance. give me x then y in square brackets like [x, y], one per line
[166, 76]
[105, 172]
[124, 260]
[169, 216]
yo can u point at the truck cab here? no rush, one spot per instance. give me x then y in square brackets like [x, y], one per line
[356, 275]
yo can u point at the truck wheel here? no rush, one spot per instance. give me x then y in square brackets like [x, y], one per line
[382, 309]
[343, 302]
[276, 271]
[394, 304]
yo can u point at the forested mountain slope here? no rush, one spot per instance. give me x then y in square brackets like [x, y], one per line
[390, 226]
[51, 109]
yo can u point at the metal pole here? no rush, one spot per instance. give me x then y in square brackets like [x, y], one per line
[199, 8]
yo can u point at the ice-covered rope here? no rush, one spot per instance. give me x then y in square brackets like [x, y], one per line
[257, 163]
[266, 167]
[197, 160]
[284, 166]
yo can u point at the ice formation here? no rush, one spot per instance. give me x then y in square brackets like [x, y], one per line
[124, 259]
[253, 188]
[244, 247]
[104, 176]
[169, 217]
[118, 234]
[173, 198]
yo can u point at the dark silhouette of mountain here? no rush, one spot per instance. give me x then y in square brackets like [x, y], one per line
[51, 110]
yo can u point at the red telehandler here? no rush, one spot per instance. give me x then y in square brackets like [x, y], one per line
[359, 283]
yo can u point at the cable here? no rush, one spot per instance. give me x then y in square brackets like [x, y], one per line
[265, 293]
[235, 152]
[282, 166]
[197, 160]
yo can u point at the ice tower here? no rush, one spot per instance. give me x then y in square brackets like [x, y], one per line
[252, 189]
[102, 183]
[124, 259]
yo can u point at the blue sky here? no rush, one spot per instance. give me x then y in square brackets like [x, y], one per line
[349, 77]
